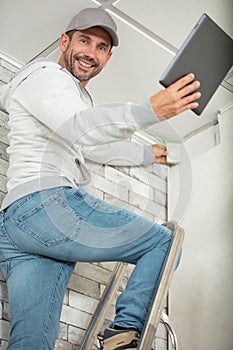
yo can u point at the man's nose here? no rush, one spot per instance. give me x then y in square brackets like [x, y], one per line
[90, 51]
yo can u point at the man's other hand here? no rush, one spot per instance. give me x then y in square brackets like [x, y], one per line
[160, 153]
[177, 98]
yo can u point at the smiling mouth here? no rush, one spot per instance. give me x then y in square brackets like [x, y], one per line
[85, 64]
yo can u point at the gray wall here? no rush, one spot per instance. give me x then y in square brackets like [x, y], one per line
[201, 297]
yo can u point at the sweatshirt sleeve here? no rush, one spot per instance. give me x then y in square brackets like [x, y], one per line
[53, 98]
[120, 153]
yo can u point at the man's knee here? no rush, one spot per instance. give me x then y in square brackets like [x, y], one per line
[36, 290]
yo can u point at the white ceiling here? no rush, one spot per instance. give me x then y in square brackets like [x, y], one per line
[29, 26]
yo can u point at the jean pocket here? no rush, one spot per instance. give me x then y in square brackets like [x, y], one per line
[50, 221]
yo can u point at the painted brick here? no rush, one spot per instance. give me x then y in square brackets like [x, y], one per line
[128, 182]
[107, 265]
[147, 205]
[149, 179]
[63, 334]
[84, 285]
[2, 183]
[3, 166]
[75, 317]
[160, 170]
[5, 74]
[63, 345]
[82, 302]
[3, 151]
[92, 272]
[2, 278]
[75, 335]
[2, 196]
[160, 198]
[4, 330]
[5, 311]
[110, 187]
[3, 135]
[3, 292]
[4, 120]
[66, 298]
[3, 344]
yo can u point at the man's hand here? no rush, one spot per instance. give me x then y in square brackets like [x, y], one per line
[177, 98]
[160, 153]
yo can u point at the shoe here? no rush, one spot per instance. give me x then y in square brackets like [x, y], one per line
[114, 339]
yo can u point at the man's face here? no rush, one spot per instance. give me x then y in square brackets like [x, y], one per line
[86, 53]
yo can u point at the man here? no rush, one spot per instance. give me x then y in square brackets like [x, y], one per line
[48, 222]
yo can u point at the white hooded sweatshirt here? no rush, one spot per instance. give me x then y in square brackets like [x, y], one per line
[54, 127]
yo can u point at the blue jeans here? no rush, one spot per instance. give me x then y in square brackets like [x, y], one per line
[44, 234]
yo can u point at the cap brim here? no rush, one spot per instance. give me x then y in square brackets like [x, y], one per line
[113, 35]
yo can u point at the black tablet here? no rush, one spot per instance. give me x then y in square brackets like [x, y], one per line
[208, 53]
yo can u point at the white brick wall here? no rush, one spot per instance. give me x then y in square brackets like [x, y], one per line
[139, 189]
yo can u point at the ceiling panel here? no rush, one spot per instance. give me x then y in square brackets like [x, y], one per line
[29, 26]
[173, 20]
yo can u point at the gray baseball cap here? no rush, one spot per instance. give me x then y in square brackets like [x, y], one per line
[91, 17]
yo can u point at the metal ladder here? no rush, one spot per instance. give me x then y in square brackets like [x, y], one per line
[155, 313]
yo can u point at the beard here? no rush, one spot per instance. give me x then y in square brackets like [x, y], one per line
[79, 72]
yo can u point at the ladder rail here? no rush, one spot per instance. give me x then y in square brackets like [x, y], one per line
[155, 312]
[156, 309]
[103, 305]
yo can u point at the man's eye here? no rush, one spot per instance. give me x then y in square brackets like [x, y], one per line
[102, 48]
[83, 41]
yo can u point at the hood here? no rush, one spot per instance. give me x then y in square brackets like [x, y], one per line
[6, 91]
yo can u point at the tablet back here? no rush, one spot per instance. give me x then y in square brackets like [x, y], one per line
[208, 53]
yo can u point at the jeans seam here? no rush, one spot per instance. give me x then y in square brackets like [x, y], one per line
[27, 199]
[3, 259]
[32, 234]
[20, 203]
[52, 299]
